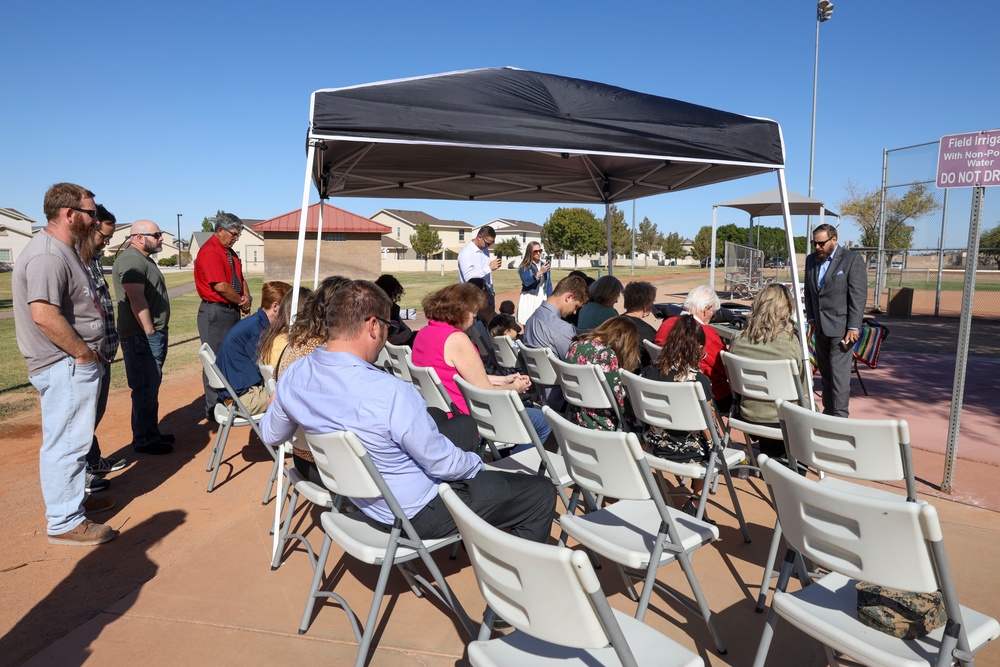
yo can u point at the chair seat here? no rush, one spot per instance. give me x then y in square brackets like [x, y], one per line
[749, 428]
[694, 470]
[367, 543]
[624, 532]
[222, 416]
[827, 610]
[648, 646]
[311, 491]
[528, 461]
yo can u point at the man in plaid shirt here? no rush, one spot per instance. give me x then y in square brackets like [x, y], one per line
[97, 466]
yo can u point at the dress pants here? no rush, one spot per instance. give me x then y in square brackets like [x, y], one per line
[835, 368]
[214, 322]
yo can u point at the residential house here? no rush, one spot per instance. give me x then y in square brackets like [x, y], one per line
[398, 253]
[123, 234]
[524, 232]
[15, 232]
[350, 245]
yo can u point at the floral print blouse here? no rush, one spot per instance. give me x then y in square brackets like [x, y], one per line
[596, 352]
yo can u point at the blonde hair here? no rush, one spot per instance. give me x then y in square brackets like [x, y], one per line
[772, 314]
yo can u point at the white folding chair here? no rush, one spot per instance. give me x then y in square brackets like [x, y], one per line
[506, 353]
[585, 387]
[682, 406]
[858, 537]
[538, 367]
[266, 373]
[639, 532]
[398, 354]
[652, 348]
[501, 418]
[553, 599]
[314, 494]
[383, 362]
[227, 416]
[347, 470]
[427, 382]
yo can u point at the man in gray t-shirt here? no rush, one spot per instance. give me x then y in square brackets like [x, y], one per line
[59, 326]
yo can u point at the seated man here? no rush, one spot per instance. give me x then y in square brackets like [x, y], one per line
[237, 357]
[702, 303]
[336, 388]
[547, 326]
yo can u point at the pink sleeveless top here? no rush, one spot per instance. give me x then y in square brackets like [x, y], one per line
[428, 350]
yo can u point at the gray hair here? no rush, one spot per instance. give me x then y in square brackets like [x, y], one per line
[700, 298]
[228, 221]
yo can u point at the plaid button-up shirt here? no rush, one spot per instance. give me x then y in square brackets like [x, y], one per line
[111, 339]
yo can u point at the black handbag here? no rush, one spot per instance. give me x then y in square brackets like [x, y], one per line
[690, 448]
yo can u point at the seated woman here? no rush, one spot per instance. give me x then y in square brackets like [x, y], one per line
[604, 293]
[679, 362]
[443, 346]
[275, 337]
[404, 335]
[613, 345]
[768, 336]
[536, 281]
[639, 299]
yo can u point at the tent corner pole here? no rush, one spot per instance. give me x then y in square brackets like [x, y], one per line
[711, 256]
[607, 225]
[303, 219]
[319, 238]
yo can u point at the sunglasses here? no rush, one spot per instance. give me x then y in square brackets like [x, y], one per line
[820, 244]
[155, 235]
[392, 326]
[92, 212]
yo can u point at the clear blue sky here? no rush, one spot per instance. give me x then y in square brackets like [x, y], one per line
[189, 107]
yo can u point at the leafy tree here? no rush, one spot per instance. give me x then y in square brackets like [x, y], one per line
[702, 246]
[864, 207]
[621, 235]
[647, 239]
[574, 230]
[673, 246]
[425, 242]
[989, 246]
[208, 224]
[509, 248]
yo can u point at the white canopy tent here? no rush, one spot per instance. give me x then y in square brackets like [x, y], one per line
[507, 134]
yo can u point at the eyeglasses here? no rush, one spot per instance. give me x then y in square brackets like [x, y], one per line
[489, 243]
[820, 244]
[92, 212]
[155, 235]
[391, 326]
[236, 233]
[105, 237]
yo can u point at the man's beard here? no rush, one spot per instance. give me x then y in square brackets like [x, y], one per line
[83, 238]
[150, 246]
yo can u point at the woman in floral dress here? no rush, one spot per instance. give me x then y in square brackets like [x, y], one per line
[613, 345]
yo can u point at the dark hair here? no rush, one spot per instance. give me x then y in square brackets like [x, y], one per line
[619, 334]
[606, 290]
[486, 231]
[507, 307]
[580, 274]
[280, 324]
[574, 285]
[352, 305]
[390, 286]
[831, 231]
[683, 348]
[104, 215]
[639, 296]
[453, 303]
[311, 322]
[501, 323]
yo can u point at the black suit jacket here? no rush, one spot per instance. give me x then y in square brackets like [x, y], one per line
[840, 304]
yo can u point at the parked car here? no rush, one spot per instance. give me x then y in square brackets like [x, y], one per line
[776, 263]
[897, 264]
[872, 264]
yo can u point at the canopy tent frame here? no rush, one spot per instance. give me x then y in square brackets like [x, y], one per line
[505, 134]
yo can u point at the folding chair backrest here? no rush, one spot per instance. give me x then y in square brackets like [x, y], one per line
[427, 382]
[266, 372]
[878, 540]
[652, 348]
[207, 357]
[546, 591]
[538, 365]
[763, 380]
[398, 354]
[500, 415]
[679, 406]
[503, 348]
[383, 361]
[584, 386]
[608, 463]
[340, 460]
[869, 449]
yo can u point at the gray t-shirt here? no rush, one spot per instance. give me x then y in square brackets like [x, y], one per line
[49, 270]
[134, 267]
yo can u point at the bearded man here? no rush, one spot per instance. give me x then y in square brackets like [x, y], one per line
[143, 319]
[59, 326]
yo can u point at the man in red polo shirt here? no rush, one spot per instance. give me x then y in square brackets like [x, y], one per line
[218, 275]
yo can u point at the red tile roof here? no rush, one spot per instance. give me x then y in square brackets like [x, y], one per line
[334, 220]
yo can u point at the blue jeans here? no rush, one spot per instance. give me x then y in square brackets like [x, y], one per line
[144, 357]
[542, 428]
[94, 455]
[68, 395]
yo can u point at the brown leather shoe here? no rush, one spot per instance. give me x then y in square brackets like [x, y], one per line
[87, 534]
[94, 505]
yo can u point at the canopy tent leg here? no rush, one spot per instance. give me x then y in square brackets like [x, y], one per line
[607, 224]
[711, 256]
[319, 238]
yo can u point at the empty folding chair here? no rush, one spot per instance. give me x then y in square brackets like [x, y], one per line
[638, 532]
[227, 416]
[347, 470]
[553, 599]
[584, 386]
[858, 537]
[398, 354]
[682, 406]
[538, 367]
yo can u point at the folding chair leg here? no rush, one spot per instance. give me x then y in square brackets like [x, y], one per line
[736, 502]
[317, 580]
[685, 561]
[772, 616]
[857, 372]
[772, 555]
[220, 450]
[376, 604]
[286, 528]
[215, 448]
[270, 481]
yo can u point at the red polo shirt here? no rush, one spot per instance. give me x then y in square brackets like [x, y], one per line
[711, 363]
[212, 266]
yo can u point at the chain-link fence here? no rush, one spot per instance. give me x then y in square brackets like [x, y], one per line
[744, 270]
[934, 264]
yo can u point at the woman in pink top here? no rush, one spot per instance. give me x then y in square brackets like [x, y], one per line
[444, 346]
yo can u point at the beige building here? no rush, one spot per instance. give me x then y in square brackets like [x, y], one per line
[402, 224]
[15, 232]
[249, 247]
[350, 245]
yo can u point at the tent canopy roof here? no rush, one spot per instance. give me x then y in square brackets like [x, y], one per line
[507, 134]
[769, 203]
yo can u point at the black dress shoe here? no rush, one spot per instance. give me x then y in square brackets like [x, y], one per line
[159, 447]
[168, 438]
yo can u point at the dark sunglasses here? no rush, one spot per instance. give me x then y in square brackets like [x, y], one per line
[820, 244]
[155, 235]
[106, 237]
[391, 326]
[92, 212]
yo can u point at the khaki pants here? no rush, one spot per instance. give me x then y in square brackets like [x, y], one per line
[255, 399]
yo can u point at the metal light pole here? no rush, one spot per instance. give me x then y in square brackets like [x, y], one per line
[824, 12]
[180, 257]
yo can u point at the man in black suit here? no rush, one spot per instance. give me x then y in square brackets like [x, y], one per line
[836, 290]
